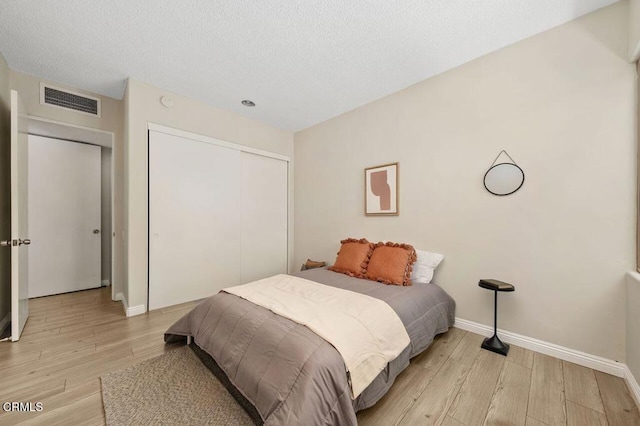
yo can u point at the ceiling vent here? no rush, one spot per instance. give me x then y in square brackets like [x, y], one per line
[61, 98]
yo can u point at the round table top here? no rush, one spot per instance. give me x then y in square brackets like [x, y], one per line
[495, 285]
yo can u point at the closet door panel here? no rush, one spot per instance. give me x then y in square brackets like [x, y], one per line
[264, 217]
[194, 220]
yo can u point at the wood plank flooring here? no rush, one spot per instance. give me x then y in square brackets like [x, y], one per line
[71, 340]
[459, 384]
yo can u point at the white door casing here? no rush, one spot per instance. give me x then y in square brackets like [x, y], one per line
[19, 218]
[64, 216]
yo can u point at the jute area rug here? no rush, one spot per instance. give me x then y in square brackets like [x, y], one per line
[171, 389]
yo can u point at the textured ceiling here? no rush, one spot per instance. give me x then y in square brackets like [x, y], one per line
[302, 62]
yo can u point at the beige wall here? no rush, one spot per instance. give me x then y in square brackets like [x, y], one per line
[111, 120]
[562, 104]
[5, 196]
[634, 29]
[143, 106]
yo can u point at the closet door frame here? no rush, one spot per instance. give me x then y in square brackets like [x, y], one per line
[222, 143]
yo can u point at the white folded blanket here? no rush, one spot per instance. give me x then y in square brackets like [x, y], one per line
[367, 333]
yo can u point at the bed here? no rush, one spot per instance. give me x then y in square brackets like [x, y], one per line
[281, 372]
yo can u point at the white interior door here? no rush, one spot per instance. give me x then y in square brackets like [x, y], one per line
[19, 218]
[64, 216]
[264, 217]
[194, 219]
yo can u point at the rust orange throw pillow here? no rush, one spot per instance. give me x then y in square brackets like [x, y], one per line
[353, 257]
[391, 263]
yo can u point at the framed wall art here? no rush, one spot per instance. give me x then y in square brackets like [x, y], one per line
[381, 190]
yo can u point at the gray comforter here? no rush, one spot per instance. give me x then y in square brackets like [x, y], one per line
[287, 373]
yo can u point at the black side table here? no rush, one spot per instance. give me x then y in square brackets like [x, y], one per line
[493, 343]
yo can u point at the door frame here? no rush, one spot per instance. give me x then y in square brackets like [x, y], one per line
[110, 136]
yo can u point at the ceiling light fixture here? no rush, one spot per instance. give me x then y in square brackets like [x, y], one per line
[248, 103]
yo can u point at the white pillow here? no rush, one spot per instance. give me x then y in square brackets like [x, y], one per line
[424, 266]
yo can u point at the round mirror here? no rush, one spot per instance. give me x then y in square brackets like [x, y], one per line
[503, 179]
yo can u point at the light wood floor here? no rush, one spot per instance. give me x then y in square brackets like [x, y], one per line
[71, 340]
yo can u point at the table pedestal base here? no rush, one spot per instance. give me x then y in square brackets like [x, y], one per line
[494, 344]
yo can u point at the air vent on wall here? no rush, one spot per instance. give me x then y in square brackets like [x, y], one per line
[61, 98]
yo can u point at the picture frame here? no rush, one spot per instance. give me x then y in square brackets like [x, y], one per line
[381, 190]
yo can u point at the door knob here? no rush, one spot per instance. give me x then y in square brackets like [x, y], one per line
[96, 231]
[18, 242]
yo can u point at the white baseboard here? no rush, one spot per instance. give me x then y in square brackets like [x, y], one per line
[130, 310]
[592, 361]
[632, 384]
[105, 283]
[4, 321]
[136, 310]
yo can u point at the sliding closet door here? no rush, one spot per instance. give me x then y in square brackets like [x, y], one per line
[264, 217]
[194, 219]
